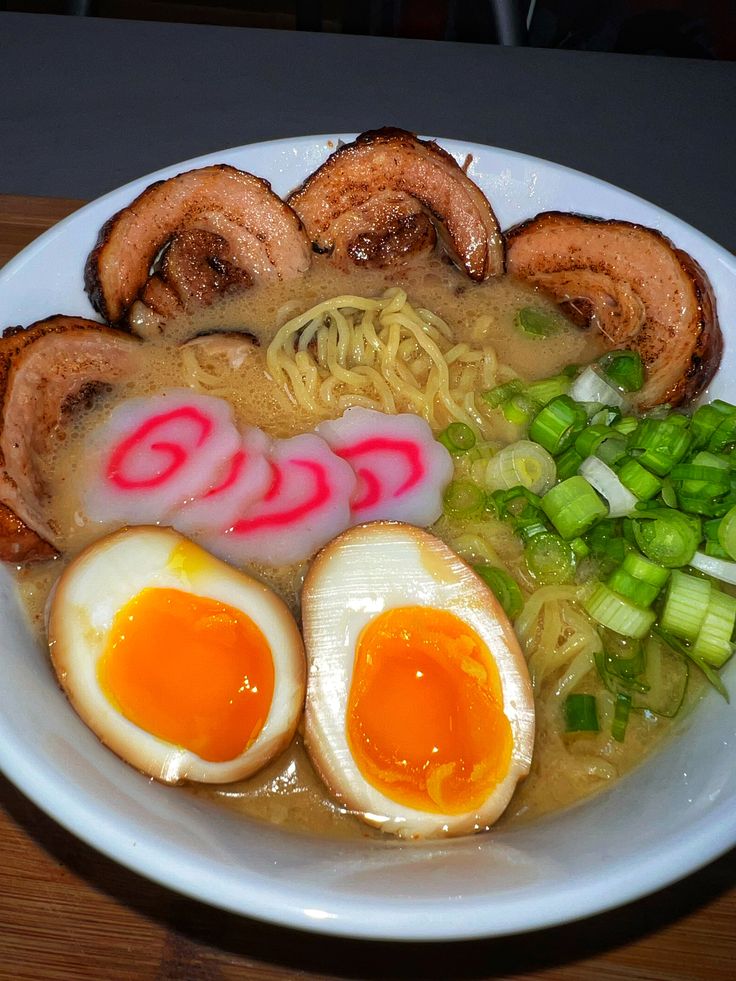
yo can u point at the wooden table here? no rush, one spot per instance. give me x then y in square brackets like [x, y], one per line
[68, 914]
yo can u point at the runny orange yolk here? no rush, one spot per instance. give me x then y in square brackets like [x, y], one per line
[425, 719]
[191, 670]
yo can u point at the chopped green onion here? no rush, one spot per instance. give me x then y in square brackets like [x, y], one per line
[520, 409]
[591, 386]
[619, 498]
[546, 389]
[550, 559]
[568, 463]
[626, 425]
[618, 614]
[639, 592]
[526, 529]
[706, 419]
[713, 642]
[502, 393]
[621, 712]
[504, 588]
[667, 537]
[685, 605]
[624, 369]
[654, 676]
[623, 657]
[727, 533]
[718, 568]
[606, 416]
[641, 568]
[658, 444]
[669, 494]
[581, 713]
[463, 499]
[612, 450]
[557, 424]
[516, 504]
[724, 436]
[590, 439]
[580, 548]
[523, 462]
[607, 543]
[638, 479]
[537, 322]
[457, 437]
[714, 550]
[677, 645]
[573, 506]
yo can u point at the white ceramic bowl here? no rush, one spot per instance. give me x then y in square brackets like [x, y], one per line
[672, 815]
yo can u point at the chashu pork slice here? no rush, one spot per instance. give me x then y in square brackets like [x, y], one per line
[208, 230]
[45, 370]
[635, 287]
[388, 196]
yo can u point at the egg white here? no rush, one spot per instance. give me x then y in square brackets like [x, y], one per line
[106, 576]
[370, 569]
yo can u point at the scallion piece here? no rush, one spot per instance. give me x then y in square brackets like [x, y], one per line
[624, 369]
[573, 507]
[537, 322]
[724, 436]
[591, 386]
[639, 567]
[457, 437]
[557, 424]
[549, 559]
[626, 425]
[588, 441]
[463, 499]
[686, 650]
[618, 614]
[612, 450]
[667, 537]
[658, 444]
[718, 568]
[546, 389]
[641, 593]
[520, 409]
[706, 419]
[581, 713]
[714, 551]
[502, 393]
[685, 604]
[713, 642]
[568, 463]
[638, 479]
[523, 462]
[621, 712]
[504, 588]
[727, 532]
[620, 499]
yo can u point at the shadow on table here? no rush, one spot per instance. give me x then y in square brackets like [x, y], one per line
[192, 924]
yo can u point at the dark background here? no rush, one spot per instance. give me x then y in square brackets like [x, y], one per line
[678, 28]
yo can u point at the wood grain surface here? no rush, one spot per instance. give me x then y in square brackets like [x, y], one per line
[69, 914]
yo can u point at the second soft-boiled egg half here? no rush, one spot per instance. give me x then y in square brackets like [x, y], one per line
[419, 713]
[183, 666]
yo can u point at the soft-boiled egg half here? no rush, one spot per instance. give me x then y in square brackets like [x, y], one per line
[183, 666]
[419, 713]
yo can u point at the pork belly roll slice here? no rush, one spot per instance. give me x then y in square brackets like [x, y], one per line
[45, 371]
[635, 287]
[203, 232]
[388, 195]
